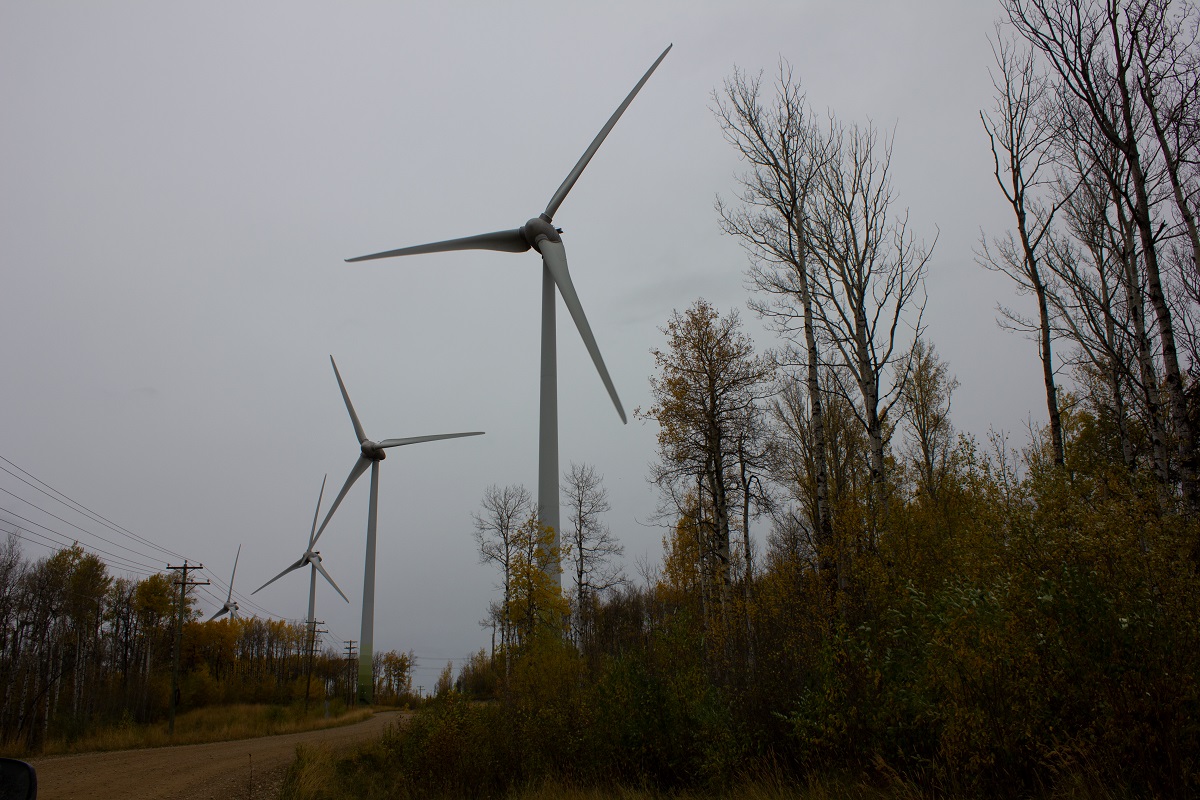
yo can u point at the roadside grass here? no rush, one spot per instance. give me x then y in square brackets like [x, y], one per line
[321, 774]
[372, 771]
[202, 725]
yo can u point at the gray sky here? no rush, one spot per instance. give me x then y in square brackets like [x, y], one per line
[179, 183]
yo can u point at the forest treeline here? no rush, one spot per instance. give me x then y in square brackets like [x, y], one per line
[952, 614]
[81, 650]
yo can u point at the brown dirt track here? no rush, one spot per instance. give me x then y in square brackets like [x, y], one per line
[218, 770]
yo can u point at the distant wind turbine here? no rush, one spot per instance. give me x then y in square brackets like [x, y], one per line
[231, 606]
[313, 559]
[539, 234]
[371, 453]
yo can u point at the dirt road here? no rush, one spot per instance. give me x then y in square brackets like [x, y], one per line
[220, 770]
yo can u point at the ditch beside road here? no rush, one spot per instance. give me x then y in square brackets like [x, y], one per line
[251, 768]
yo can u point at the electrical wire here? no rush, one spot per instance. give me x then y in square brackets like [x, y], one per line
[81, 508]
[67, 541]
[76, 527]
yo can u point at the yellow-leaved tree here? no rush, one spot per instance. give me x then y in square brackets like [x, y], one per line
[536, 605]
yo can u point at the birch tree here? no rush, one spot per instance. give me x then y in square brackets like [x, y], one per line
[590, 546]
[1021, 133]
[501, 514]
[869, 286]
[1094, 48]
[785, 151]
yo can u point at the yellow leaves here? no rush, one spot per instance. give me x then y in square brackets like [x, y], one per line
[536, 605]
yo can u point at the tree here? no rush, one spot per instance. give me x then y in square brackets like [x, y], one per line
[394, 676]
[870, 286]
[536, 607]
[501, 514]
[926, 403]
[1020, 128]
[706, 392]
[785, 152]
[1098, 307]
[590, 546]
[1095, 49]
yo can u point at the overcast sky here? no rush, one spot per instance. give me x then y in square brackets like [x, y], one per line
[180, 183]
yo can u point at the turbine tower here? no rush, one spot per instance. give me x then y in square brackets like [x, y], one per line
[371, 453]
[540, 234]
[313, 559]
[231, 606]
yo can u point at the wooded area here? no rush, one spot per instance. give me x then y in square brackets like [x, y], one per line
[939, 613]
[81, 651]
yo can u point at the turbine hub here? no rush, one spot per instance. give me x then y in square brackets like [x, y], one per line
[373, 451]
[537, 229]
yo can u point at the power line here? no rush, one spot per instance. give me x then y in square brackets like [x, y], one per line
[84, 509]
[67, 541]
[73, 525]
[53, 545]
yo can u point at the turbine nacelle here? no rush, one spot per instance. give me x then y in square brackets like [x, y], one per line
[539, 228]
[372, 451]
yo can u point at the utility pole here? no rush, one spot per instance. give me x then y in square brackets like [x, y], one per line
[184, 585]
[312, 644]
[350, 672]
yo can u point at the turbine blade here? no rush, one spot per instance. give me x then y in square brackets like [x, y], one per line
[358, 428]
[506, 241]
[312, 534]
[419, 439]
[360, 467]
[561, 194]
[234, 575]
[554, 256]
[219, 613]
[297, 565]
[329, 578]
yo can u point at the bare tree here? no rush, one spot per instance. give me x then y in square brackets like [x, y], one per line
[1098, 217]
[785, 152]
[1164, 37]
[1093, 47]
[501, 514]
[1021, 132]
[869, 286]
[590, 546]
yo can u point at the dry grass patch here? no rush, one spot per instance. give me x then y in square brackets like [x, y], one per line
[213, 724]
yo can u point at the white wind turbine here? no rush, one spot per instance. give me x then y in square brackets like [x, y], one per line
[539, 234]
[231, 606]
[371, 453]
[313, 559]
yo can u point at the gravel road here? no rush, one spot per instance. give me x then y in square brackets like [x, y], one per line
[215, 771]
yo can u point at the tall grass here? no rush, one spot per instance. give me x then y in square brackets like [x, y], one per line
[211, 724]
[321, 774]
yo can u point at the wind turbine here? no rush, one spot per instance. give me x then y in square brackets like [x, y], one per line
[371, 453]
[540, 234]
[231, 606]
[313, 559]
